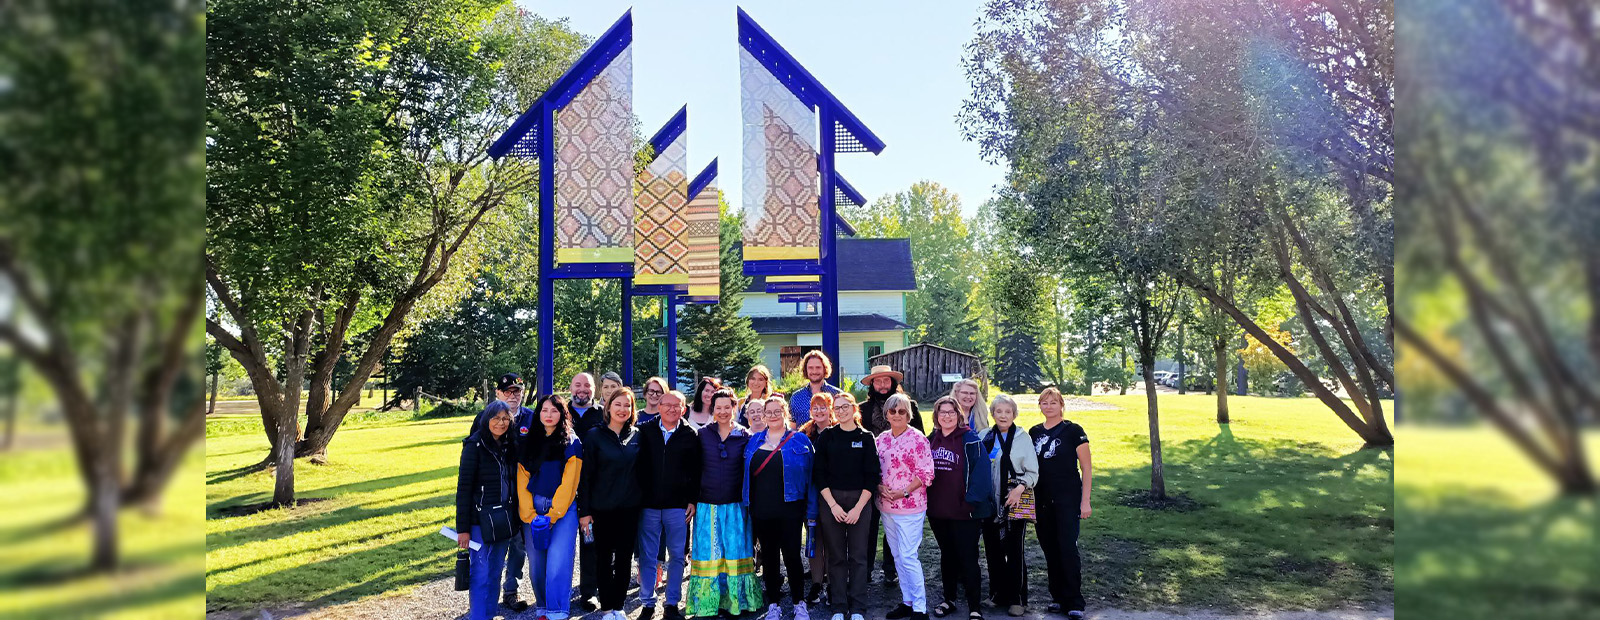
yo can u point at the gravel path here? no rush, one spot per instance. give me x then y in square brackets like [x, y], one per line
[439, 600]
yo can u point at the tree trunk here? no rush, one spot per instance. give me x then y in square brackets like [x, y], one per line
[1183, 387]
[1158, 477]
[103, 495]
[1122, 372]
[1219, 349]
[1241, 376]
[212, 408]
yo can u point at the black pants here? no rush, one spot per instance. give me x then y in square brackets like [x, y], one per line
[1008, 574]
[848, 545]
[586, 558]
[958, 558]
[616, 533]
[780, 536]
[1058, 534]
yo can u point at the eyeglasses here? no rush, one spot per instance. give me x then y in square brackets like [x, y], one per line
[653, 392]
[512, 390]
[845, 408]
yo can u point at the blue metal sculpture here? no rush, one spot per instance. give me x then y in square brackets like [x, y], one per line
[841, 132]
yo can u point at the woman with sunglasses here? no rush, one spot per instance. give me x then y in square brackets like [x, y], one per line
[722, 576]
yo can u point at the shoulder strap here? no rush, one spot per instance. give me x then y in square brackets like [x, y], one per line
[786, 437]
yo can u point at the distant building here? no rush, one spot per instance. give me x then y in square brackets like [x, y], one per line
[874, 277]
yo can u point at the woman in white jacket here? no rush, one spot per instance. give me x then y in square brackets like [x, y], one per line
[1015, 470]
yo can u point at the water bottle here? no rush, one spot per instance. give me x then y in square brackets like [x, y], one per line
[811, 539]
[463, 570]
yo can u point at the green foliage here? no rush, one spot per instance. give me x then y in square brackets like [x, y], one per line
[717, 342]
[943, 256]
[486, 335]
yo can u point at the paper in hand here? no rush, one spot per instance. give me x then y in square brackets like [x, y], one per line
[453, 536]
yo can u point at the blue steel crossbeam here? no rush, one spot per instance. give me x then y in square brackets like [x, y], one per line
[841, 132]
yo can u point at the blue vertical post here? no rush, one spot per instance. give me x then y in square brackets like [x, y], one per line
[825, 248]
[547, 250]
[627, 331]
[671, 304]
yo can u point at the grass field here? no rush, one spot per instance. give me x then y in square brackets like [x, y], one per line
[1291, 512]
[1483, 534]
[42, 561]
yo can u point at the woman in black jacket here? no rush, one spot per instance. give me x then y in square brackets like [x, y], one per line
[486, 479]
[609, 498]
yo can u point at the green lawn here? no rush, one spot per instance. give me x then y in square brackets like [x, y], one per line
[1484, 534]
[1292, 514]
[42, 561]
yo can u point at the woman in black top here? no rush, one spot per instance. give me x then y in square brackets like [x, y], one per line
[1061, 499]
[487, 478]
[609, 498]
[847, 472]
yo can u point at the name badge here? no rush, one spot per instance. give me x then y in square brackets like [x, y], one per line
[855, 444]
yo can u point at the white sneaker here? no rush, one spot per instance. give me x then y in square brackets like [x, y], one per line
[800, 611]
[838, 617]
[856, 617]
[774, 612]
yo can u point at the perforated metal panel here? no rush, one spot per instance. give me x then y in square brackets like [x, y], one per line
[846, 142]
[527, 146]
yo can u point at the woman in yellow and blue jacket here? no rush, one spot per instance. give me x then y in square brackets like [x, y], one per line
[547, 482]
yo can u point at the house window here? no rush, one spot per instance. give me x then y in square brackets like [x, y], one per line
[805, 308]
[873, 349]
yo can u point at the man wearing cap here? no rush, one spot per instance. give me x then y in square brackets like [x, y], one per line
[882, 383]
[508, 389]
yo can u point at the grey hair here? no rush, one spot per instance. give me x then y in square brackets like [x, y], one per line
[896, 401]
[678, 395]
[1002, 399]
[611, 376]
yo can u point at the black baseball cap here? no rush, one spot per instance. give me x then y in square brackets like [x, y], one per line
[508, 381]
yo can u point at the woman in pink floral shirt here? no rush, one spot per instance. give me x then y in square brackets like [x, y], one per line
[907, 465]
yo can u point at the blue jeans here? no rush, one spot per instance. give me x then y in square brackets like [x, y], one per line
[515, 559]
[487, 562]
[550, 570]
[658, 528]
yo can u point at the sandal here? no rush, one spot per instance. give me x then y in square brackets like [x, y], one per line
[943, 609]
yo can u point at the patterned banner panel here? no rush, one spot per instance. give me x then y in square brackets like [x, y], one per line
[662, 231]
[782, 220]
[705, 256]
[594, 169]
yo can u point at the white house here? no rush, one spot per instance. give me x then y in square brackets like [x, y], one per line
[874, 277]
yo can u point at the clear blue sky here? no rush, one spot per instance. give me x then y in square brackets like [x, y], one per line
[895, 63]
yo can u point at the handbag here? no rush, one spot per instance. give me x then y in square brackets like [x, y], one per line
[1025, 509]
[495, 523]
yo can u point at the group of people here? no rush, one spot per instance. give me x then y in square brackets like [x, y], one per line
[719, 485]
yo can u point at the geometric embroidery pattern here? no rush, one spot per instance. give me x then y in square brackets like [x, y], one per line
[661, 237]
[791, 218]
[594, 168]
[705, 257]
[780, 189]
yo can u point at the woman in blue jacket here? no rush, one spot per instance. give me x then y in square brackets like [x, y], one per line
[959, 500]
[550, 467]
[778, 491]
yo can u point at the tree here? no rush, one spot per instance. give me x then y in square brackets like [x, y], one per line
[943, 256]
[490, 332]
[1501, 261]
[1206, 80]
[722, 343]
[99, 208]
[348, 182]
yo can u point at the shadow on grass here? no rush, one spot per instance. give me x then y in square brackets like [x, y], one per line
[183, 584]
[1474, 553]
[1276, 524]
[236, 506]
[345, 576]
